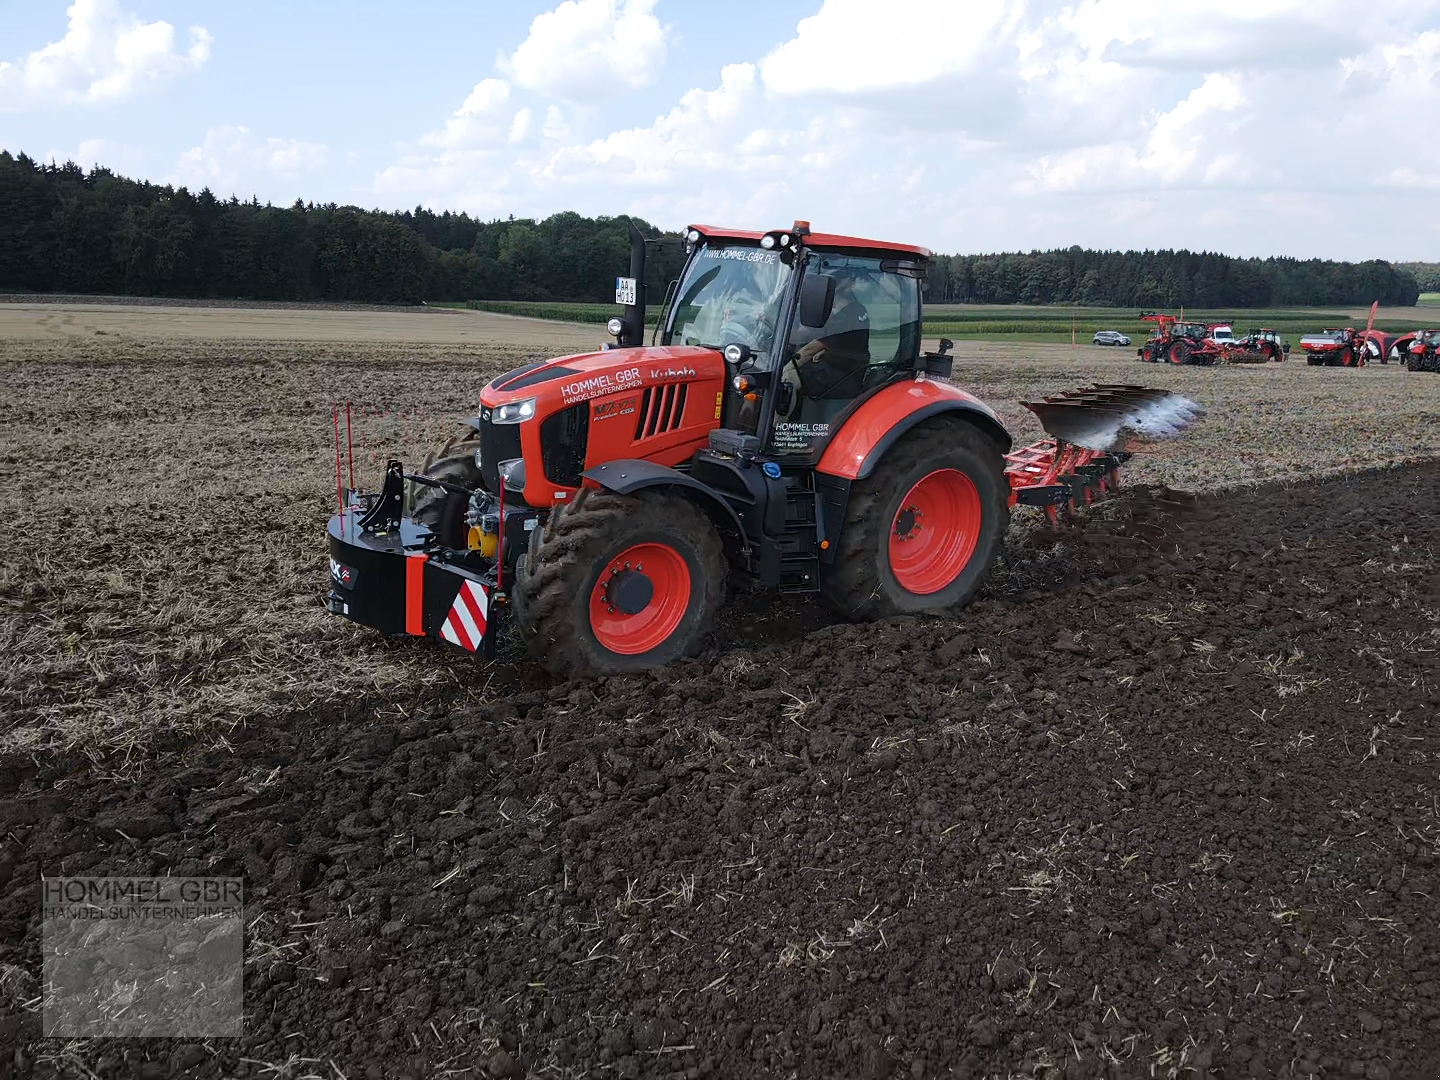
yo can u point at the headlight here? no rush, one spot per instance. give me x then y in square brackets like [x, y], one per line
[513, 412]
[767, 241]
[615, 326]
[478, 463]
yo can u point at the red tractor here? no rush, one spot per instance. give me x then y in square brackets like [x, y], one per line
[1264, 345]
[1174, 341]
[1347, 346]
[786, 431]
[1423, 351]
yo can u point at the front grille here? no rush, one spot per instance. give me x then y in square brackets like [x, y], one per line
[564, 438]
[498, 442]
[661, 411]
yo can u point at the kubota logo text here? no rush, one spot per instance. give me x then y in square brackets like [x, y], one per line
[672, 373]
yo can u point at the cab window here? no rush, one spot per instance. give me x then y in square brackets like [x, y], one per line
[873, 332]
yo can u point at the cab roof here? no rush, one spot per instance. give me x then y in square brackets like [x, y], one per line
[817, 240]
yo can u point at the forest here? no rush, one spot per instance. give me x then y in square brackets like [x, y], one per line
[66, 230]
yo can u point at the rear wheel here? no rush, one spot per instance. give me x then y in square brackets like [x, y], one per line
[616, 583]
[1180, 352]
[1346, 358]
[922, 530]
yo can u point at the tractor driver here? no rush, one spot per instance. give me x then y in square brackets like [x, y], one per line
[833, 364]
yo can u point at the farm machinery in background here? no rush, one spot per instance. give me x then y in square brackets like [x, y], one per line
[1264, 344]
[782, 430]
[1422, 352]
[1347, 346]
[1175, 341]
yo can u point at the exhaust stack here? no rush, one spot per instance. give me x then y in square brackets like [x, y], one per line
[634, 317]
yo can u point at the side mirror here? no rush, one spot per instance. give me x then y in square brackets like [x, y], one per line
[817, 299]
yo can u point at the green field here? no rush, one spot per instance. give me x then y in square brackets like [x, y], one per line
[1026, 322]
[1429, 299]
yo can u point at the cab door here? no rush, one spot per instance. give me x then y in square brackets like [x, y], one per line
[871, 335]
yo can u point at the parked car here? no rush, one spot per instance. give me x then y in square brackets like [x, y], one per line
[1222, 334]
[1110, 337]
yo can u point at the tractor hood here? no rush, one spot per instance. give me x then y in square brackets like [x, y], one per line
[584, 376]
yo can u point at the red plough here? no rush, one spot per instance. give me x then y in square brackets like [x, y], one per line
[1091, 430]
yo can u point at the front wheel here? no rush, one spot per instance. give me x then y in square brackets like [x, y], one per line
[922, 530]
[444, 511]
[616, 583]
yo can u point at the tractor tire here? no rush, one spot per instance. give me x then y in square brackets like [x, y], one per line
[947, 471]
[1180, 352]
[564, 605]
[444, 511]
[1414, 363]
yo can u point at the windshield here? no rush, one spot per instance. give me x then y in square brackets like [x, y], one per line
[730, 296]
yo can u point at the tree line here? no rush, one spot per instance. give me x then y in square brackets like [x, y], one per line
[1427, 275]
[1164, 279]
[63, 229]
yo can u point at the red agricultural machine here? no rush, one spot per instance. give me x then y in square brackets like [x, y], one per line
[783, 428]
[1347, 346]
[1422, 353]
[1174, 341]
[1262, 345]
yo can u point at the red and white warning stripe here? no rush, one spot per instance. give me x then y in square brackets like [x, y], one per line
[465, 625]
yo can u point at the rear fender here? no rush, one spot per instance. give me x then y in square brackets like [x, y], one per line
[880, 421]
[629, 475]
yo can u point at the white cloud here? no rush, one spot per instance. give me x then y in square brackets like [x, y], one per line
[586, 50]
[483, 118]
[233, 160]
[851, 47]
[1030, 123]
[106, 55]
[117, 157]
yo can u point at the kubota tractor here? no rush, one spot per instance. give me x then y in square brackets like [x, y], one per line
[783, 430]
[1347, 346]
[1266, 344]
[1174, 341]
[1423, 352]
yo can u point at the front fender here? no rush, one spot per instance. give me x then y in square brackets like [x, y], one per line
[855, 450]
[629, 475]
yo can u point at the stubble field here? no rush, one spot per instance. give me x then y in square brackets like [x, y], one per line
[1163, 800]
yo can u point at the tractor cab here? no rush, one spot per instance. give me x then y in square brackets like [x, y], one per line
[807, 324]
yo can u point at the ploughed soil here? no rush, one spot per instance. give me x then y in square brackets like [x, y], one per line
[1163, 803]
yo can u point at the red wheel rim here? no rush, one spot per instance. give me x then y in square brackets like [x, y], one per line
[935, 531]
[656, 569]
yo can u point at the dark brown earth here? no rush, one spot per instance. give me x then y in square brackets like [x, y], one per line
[1177, 820]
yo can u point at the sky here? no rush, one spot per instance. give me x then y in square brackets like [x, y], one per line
[1308, 128]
